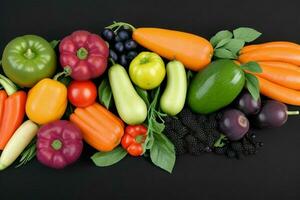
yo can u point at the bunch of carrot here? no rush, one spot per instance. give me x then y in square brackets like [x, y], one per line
[280, 63]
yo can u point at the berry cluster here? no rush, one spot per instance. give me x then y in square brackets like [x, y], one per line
[122, 48]
[195, 134]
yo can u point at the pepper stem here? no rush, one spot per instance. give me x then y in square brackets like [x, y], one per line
[295, 112]
[56, 144]
[82, 53]
[67, 72]
[29, 54]
[8, 85]
[117, 25]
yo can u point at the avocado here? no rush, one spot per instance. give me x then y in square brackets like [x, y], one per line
[215, 86]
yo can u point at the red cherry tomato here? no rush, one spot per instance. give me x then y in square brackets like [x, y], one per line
[82, 93]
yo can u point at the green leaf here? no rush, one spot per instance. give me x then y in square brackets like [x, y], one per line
[223, 42]
[224, 53]
[252, 84]
[252, 67]
[162, 153]
[54, 43]
[158, 127]
[234, 45]
[104, 159]
[225, 34]
[221, 141]
[143, 94]
[0, 62]
[28, 154]
[246, 34]
[105, 94]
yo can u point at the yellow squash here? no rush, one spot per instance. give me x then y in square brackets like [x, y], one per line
[47, 101]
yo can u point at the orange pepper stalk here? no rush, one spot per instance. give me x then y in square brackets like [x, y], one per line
[12, 110]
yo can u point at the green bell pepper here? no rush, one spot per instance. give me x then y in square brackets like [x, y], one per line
[28, 59]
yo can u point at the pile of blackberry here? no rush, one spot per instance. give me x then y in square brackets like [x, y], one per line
[197, 134]
[122, 48]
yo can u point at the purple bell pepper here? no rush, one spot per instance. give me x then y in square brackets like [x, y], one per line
[59, 144]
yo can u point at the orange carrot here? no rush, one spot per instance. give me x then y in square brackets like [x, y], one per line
[284, 77]
[100, 128]
[282, 44]
[281, 65]
[193, 51]
[278, 92]
[12, 117]
[281, 54]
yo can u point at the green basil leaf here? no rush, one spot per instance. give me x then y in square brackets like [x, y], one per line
[143, 94]
[252, 67]
[54, 43]
[162, 153]
[0, 62]
[158, 127]
[149, 141]
[225, 34]
[104, 159]
[222, 42]
[224, 53]
[234, 45]
[105, 94]
[246, 34]
[252, 84]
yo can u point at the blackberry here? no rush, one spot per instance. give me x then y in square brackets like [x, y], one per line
[193, 146]
[201, 135]
[172, 135]
[250, 149]
[210, 140]
[237, 146]
[230, 153]
[189, 119]
[220, 150]
[201, 119]
[216, 134]
[176, 124]
[180, 148]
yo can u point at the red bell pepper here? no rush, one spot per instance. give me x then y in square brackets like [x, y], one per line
[12, 110]
[85, 54]
[133, 139]
[59, 144]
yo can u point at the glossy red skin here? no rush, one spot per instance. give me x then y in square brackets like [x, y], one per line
[96, 62]
[71, 139]
[82, 93]
[129, 142]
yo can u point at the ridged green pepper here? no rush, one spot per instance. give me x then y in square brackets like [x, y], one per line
[28, 59]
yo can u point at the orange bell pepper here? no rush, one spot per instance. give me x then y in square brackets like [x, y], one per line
[100, 128]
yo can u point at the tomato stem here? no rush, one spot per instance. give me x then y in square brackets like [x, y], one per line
[8, 85]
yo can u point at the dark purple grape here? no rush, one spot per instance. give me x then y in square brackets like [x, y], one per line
[131, 55]
[130, 45]
[108, 35]
[272, 114]
[234, 124]
[247, 104]
[113, 55]
[117, 39]
[123, 61]
[124, 35]
[119, 47]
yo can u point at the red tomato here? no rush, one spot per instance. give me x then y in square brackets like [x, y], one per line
[82, 93]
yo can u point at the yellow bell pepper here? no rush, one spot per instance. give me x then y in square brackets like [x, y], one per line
[46, 101]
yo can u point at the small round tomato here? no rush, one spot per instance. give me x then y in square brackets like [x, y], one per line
[82, 93]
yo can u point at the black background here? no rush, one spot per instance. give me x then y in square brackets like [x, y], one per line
[272, 174]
